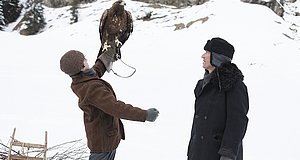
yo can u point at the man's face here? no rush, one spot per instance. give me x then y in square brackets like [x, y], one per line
[206, 62]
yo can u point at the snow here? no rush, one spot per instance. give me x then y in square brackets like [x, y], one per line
[36, 95]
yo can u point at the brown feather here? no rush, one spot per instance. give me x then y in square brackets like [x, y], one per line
[115, 23]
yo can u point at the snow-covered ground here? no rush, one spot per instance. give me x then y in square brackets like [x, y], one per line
[36, 95]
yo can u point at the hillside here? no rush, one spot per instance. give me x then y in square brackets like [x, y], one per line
[35, 94]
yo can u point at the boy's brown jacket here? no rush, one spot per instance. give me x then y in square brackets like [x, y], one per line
[102, 111]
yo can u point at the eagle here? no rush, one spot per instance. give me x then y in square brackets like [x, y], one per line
[115, 27]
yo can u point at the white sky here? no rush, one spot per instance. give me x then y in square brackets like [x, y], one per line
[35, 94]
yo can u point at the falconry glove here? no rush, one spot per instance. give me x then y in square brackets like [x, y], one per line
[108, 56]
[152, 114]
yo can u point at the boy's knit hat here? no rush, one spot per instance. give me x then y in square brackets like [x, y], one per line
[72, 62]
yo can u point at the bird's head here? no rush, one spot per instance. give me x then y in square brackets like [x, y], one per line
[120, 3]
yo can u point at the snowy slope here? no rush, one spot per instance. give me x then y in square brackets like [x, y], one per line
[36, 94]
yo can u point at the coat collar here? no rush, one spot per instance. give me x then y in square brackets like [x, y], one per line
[85, 76]
[225, 76]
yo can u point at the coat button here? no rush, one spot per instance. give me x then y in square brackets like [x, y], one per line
[205, 117]
[202, 137]
[196, 116]
[194, 137]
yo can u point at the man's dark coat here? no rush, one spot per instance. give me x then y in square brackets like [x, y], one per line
[220, 119]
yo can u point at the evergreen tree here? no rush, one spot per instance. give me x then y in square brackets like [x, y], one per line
[11, 10]
[39, 14]
[35, 20]
[74, 12]
[2, 23]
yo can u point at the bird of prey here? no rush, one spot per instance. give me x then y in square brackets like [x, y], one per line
[115, 27]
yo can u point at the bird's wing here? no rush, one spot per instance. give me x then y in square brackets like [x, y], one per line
[102, 23]
[129, 28]
[129, 21]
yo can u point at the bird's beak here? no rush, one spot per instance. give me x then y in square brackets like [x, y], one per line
[123, 3]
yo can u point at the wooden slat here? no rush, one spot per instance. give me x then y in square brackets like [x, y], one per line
[45, 146]
[11, 143]
[30, 145]
[14, 157]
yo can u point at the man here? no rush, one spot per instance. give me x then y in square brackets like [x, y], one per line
[101, 109]
[221, 106]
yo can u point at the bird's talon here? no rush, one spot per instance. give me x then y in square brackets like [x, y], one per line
[118, 56]
[105, 47]
[118, 43]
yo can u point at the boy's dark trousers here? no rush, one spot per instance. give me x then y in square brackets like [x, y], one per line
[103, 155]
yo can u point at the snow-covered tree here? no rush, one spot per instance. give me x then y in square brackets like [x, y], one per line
[2, 23]
[12, 10]
[37, 11]
[33, 20]
[74, 12]
[9, 11]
